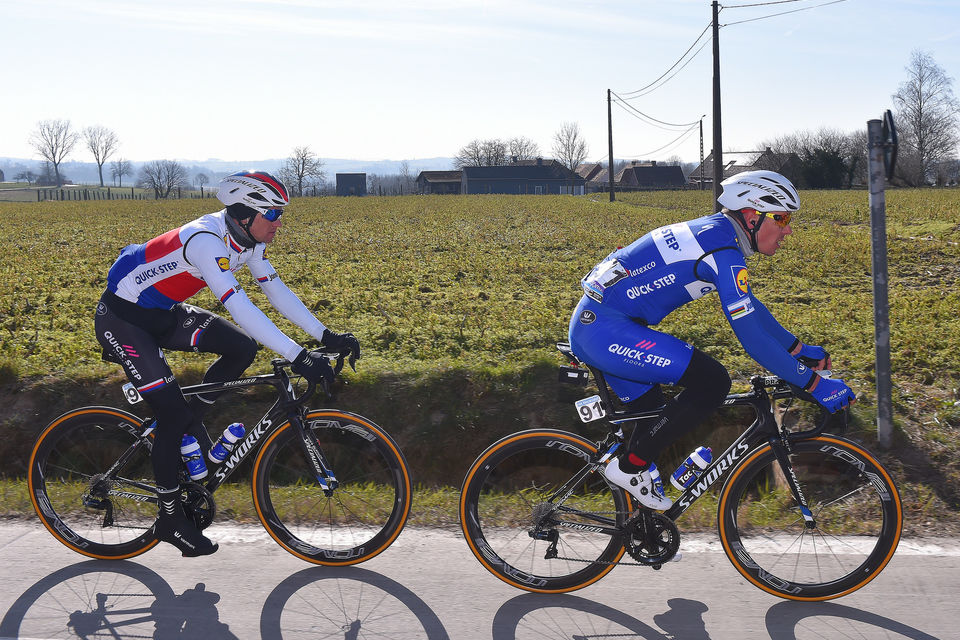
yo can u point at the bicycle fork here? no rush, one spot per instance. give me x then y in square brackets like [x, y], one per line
[781, 449]
[321, 468]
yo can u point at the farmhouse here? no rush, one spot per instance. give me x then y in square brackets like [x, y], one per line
[735, 162]
[650, 176]
[351, 184]
[534, 177]
[439, 182]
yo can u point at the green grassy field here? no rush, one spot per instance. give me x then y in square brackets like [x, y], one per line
[458, 300]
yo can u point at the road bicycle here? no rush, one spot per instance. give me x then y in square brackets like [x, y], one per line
[329, 486]
[803, 514]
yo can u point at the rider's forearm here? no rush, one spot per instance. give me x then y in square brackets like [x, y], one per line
[253, 321]
[289, 304]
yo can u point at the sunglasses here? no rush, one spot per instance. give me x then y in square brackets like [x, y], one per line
[782, 219]
[274, 214]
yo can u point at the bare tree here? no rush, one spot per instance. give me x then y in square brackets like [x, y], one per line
[482, 153]
[569, 147]
[523, 148]
[27, 176]
[102, 143]
[201, 179]
[163, 176]
[469, 155]
[302, 169]
[927, 119]
[54, 140]
[120, 168]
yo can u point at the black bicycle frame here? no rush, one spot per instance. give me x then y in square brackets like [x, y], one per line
[764, 427]
[287, 407]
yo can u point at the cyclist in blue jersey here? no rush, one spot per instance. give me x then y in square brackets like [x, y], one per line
[635, 287]
[142, 312]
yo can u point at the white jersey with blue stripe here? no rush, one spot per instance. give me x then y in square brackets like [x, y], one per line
[174, 266]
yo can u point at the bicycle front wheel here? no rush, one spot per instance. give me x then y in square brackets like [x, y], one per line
[353, 522]
[105, 517]
[512, 510]
[857, 519]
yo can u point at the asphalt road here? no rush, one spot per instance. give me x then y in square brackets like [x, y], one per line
[428, 585]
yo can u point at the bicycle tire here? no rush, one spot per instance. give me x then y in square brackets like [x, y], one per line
[856, 506]
[508, 481]
[66, 457]
[364, 514]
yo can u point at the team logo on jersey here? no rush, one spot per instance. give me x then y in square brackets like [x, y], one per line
[224, 264]
[587, 316]
[741, 277]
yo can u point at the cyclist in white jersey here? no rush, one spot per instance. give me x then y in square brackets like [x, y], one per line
[142, 312]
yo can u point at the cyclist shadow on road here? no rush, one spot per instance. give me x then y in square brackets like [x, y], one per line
[118, 599]
[535, 615]
[348, 603]
[794, 620]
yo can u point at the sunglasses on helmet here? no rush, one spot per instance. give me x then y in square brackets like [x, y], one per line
[274, 214]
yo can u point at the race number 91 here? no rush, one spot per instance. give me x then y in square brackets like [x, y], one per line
[590, 409]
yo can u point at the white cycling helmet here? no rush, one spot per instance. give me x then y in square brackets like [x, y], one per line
[765, 191]
[256, 189]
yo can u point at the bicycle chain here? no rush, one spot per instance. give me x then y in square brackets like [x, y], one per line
[606, 562]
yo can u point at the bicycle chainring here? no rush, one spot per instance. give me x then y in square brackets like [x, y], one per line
[198, 504]
[651, 538]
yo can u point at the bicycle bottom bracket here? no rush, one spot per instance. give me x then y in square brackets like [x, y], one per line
[198, 504]
[651, 538]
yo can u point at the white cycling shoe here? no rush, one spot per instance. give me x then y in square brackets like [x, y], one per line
[645, 486]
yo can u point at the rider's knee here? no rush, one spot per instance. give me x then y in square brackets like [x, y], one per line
[708, 377]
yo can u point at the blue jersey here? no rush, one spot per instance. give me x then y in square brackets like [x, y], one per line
[639, 285]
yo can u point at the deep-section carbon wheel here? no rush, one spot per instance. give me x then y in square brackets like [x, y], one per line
[106, 518]
[355, 521]
[857, 520]
[525, 534]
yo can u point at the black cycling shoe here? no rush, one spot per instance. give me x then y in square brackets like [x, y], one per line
[174, 527]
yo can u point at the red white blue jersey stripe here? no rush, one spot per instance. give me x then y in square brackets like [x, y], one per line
[158, 275]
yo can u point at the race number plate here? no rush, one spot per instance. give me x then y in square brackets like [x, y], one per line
[131, 393]
[590, 409]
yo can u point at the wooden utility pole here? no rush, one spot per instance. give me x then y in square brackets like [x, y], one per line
[610, 144]
[717, 138]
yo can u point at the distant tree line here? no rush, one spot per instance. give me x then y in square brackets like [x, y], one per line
[926, 111]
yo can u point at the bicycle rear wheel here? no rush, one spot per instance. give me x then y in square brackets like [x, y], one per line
[505, 499]
[358, 519]
[106, 519]
[854, 503]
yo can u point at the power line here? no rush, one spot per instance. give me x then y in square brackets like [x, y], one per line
[689, 60]
[759, 4]
[679, 139]
[643, 116]
[782, 13]
[637, 91]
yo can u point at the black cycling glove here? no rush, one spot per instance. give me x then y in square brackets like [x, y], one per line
[345, 343]
[314, 367]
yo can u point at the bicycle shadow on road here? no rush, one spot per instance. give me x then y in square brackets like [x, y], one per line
[796, 620]
[349, 603]
[567, 616]
[119, 599]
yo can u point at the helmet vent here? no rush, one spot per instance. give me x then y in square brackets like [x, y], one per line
[770, 199]
[257, 196]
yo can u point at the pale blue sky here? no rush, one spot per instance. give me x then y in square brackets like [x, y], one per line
[249, 79]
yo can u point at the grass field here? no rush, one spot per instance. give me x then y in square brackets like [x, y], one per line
[479, 288]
